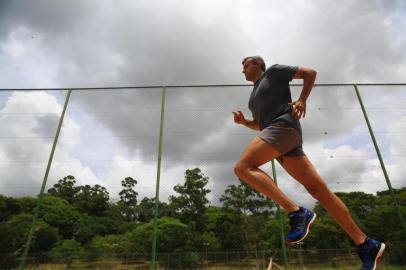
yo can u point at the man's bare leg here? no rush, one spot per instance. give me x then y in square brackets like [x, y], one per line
[257, 153]
[301, 169]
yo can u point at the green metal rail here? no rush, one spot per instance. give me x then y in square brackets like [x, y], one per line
[378, 152]
[189, 86]
[158, 177]
[281, 225]
[44, 182]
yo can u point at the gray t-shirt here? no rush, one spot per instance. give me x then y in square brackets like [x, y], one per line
[270, 97]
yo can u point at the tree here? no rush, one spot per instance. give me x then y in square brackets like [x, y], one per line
[107, 246]
[172, 235]
[8, 207]
[206, 241]
[67, 251]
[128, 198]
[271, 234]
[247, 200]
[384, 221]
[395, 191]
[66, 189]
[45, 238]
[384, 224]
[117, 220]
[127, 195]
[27, 204]
[191, 204]
[229, 230]
[88, 227]
[251, 210]
[146, 209]
[216, 233]
[60, 214]
[92, 200]
[13, 236]
[14, 232]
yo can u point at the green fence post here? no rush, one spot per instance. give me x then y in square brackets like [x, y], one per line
[381, 160]
[158, 177]
[44, 182]
[281, 226]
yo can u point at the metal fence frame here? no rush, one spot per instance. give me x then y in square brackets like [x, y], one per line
[160, 148]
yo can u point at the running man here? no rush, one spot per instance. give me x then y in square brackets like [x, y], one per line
[276, 118]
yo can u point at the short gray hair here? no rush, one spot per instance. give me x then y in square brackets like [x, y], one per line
[257, 60]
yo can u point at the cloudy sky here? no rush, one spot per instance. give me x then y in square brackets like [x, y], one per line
[111, 134]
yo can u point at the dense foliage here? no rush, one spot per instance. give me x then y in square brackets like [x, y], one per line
[82, 222]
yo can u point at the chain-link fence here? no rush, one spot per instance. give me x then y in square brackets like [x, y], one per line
[157, 133]
[299, 258]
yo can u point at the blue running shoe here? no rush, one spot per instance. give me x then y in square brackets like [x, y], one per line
[370, 252]
[300, 223]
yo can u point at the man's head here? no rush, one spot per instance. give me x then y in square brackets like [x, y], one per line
[253, 67]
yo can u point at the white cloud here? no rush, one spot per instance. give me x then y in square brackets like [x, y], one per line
[28, 124]
[27, 62]
[109, 135]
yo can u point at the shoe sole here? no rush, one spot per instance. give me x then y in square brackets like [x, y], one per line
[300, 241]
[379, 255]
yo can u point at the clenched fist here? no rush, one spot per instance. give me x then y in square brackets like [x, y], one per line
[239, 118]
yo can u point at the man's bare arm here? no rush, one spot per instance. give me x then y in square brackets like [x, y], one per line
[252, 125]
[309, 76]
[240, 119]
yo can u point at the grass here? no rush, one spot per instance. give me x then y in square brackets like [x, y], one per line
[125, 267]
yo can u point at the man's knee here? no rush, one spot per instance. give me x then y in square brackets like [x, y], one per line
[241, 168]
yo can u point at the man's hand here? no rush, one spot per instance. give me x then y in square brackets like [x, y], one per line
[309, 76]
[239, 118]
[298, 108]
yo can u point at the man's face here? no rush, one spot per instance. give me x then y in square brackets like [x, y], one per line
[250, 69]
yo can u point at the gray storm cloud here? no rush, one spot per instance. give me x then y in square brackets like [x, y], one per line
[106, 43]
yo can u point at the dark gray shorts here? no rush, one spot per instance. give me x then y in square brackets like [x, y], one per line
[288, 141]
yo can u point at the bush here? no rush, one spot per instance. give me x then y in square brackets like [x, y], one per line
[67, 251]
[397, 252]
